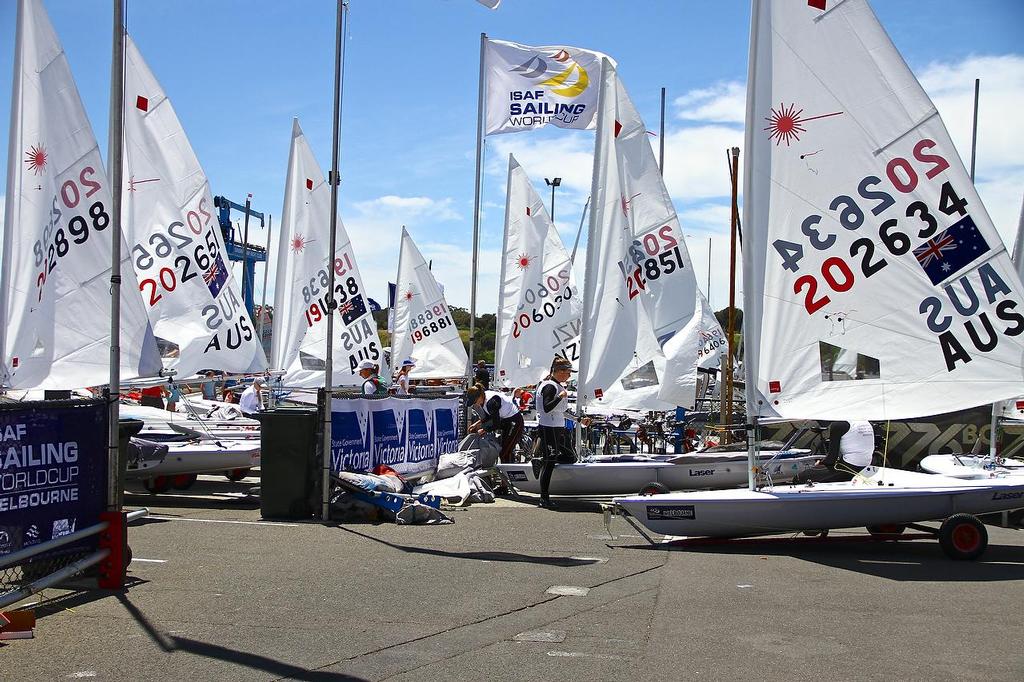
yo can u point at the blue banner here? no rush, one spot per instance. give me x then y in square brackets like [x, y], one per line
[407, 435]
[53, 471]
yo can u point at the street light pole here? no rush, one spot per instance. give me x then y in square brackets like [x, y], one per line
[553, 184]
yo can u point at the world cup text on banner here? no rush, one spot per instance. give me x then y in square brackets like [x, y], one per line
[528, 87]
[53, 472]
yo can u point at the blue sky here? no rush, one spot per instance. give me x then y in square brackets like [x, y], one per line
[238, 72]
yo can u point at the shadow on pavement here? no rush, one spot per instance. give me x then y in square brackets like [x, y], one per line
[81, 593]
[203, 494]
[511, 557]
[918, 560]
[173, 644]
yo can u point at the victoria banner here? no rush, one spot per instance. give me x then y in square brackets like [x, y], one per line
[406, 434]
[53, 470]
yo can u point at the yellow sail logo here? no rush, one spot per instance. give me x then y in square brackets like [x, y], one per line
[562, 83]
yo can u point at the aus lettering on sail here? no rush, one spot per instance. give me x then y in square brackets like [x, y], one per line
[912, 216]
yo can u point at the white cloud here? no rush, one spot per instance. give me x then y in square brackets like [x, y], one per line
[411, 207]
[695, 161]
[723, 102]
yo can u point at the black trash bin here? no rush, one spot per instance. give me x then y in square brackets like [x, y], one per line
[288, 467]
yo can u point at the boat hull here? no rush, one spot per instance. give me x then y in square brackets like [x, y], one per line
[691, 472]
[911, 498]
[972, 467]
[202, 457]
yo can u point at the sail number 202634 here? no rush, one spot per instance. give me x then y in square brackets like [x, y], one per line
[894, 234]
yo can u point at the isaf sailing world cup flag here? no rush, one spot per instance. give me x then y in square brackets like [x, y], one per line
[529, 87]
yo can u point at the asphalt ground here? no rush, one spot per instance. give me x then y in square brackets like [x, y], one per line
[215, 593]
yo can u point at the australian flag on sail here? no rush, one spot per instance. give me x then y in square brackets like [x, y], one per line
[352, 309]
[216, 276]
[951, 250]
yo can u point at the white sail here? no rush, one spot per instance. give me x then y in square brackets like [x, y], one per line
[700, 343]
[1014, 408]
[300, 298]
[863, 232]
[637, 262]
[176, 246]
[539, 303]
[56, 263]
[424, 329]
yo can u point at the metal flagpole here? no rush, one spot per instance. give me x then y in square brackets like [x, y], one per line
[727, 393]
[115, 141]
[335, 180]
[597, 196]
[974, 127]
[579, 231]
[476, 210]
[661, 136]
[266, 269]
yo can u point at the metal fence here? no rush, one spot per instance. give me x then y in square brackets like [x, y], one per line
[37, 567]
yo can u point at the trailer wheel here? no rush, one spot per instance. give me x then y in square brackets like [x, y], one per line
[183, 481]
[963, 537]
[653, 488]
[236, 475]
[157, 484]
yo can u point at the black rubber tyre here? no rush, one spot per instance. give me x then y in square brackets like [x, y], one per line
[653, 488]
[236, 475]
[963, 537]
[157, 484]
[183, 481]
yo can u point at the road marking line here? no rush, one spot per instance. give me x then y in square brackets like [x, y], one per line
[149, 561]
[242, 523]
[580, 654]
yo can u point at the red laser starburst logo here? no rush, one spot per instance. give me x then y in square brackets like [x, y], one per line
[299, 243]
[786, 123]
[36, 158]
[523, 261]
[408, 294]
[626, 201]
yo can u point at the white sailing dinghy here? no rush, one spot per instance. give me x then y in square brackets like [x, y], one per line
[424, 329]
[177, 249]
[539, 303]
[640, 292]
[300, 298]
[57, 248]
[863, 234]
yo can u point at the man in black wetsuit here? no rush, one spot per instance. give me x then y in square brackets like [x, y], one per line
[850, 448]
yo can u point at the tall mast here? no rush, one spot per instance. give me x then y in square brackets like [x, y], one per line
[334, 180]
[477, 187]
[114, 159]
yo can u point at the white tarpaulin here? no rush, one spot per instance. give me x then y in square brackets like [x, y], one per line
[528, 87]
[300, 299]
[640, 287]
[423, 328]
[863, 234]
[57, 245]
[175, 241]
[539, 303]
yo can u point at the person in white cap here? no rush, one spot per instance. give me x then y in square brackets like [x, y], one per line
[402, 379]
[252, 401]
[371, 382]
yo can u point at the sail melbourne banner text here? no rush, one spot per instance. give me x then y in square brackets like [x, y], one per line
[407, 435]
[528, 87]
[53, 471]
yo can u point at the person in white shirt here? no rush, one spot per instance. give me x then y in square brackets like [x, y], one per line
[252, 400]
[498, 412]
[851, 446]
[371, 382]
[402, 379]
